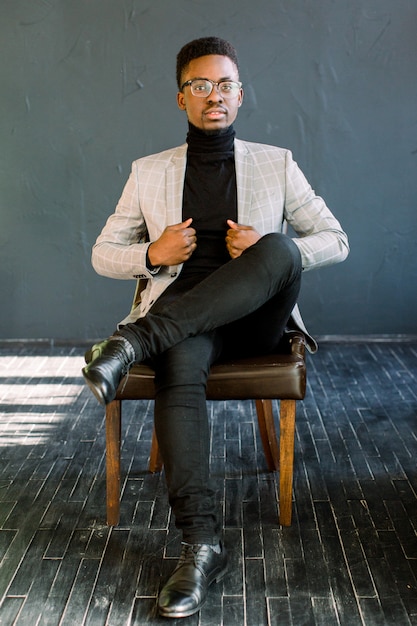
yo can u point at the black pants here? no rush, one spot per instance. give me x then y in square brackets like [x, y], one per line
[241, 309]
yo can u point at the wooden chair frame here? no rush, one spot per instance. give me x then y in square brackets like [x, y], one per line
[283, 377]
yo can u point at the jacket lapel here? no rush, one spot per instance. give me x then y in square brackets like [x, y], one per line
[175, 175]
[244, 178]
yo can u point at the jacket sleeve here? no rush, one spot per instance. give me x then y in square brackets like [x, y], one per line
[321, 239]
[120, 249]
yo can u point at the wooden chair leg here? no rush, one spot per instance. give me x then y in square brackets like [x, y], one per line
[155, 459]
[287, 432]
[268, 433]
[113, 437]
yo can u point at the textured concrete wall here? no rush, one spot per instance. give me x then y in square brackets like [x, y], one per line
[86, 87]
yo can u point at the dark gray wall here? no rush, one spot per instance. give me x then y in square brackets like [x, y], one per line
[86, 87]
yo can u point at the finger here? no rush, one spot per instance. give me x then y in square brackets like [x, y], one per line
[182, 225]
[236, 226]
[233, 253]
[243, 227]
[190, 249]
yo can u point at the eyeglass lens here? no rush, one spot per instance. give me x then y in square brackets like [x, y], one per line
[203, 88]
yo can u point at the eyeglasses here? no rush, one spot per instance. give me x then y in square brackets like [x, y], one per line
[202, 87]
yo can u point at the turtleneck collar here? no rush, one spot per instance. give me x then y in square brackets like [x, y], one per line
[200, 142]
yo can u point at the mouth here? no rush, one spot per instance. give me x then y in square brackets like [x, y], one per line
[215, 114]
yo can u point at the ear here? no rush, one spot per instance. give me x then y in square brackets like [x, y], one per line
[181, 101]
[240, 98]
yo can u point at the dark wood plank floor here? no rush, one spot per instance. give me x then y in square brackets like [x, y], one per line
[349, 558]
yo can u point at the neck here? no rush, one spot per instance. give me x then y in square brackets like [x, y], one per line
[215, 141]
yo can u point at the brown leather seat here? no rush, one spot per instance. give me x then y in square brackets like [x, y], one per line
[279, 376]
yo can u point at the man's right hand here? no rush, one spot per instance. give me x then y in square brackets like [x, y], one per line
[174, 246]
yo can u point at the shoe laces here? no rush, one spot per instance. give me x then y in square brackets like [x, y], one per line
[127, 357]
[193, 553]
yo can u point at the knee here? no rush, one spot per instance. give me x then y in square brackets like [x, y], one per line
[281, 249]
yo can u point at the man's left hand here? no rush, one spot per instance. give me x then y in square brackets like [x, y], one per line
[240, 237]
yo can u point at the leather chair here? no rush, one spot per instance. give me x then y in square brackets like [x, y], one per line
[278, 376]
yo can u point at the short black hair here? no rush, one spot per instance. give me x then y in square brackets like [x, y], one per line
[200, 48]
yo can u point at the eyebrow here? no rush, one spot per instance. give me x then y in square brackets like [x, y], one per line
[216, 81]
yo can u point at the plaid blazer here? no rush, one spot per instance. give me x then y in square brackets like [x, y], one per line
[271, 189]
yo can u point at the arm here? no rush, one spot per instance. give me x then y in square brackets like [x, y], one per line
[121, 248]
[321, 239]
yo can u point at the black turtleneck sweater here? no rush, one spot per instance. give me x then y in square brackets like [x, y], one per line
[210, 197]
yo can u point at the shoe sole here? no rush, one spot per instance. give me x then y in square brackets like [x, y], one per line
[95, 390]
[216, 579]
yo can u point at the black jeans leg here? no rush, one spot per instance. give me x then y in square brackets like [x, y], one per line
[183, 433]
[271, 267]
[244, 305]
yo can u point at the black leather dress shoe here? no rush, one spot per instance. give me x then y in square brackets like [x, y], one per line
[186, 591]
[108, 362]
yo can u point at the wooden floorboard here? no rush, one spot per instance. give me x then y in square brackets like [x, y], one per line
[349, 558]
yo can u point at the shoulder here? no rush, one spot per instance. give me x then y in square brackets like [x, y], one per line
[161, 158]
[263, 156]
[251, 147]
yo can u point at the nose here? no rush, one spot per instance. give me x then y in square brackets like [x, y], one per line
[215, 95]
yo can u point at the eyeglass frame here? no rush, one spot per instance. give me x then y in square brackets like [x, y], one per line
[213, 84]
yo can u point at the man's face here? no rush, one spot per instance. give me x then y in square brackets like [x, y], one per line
[213, 112]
